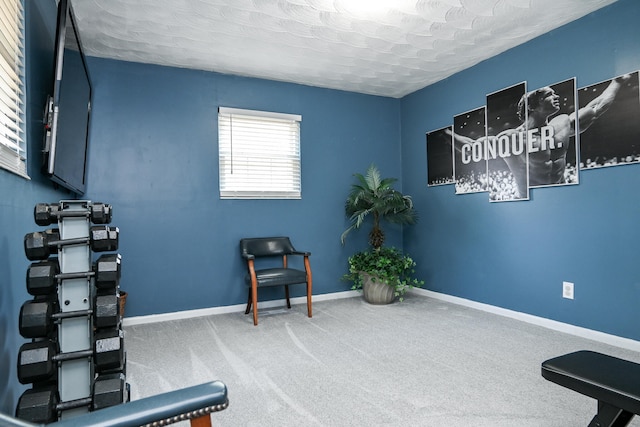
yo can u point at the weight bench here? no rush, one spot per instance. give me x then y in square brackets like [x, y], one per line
[193, 404]
[614, 382]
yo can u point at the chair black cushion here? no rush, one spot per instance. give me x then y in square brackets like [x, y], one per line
[278, 277]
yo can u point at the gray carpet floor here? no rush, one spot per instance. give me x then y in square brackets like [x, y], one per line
[422, 362]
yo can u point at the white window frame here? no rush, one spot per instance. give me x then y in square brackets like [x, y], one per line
[259, 154]
[13, 141]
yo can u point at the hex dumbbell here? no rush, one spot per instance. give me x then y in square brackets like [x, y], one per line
[49, 213]
[108, 350]
[38, 245]
[109, 390]
[41, 404]
[38, 405]
[106, 311]
[37, 361]
[39, 317]
[45, 213]
[43, 276]
[107, 269]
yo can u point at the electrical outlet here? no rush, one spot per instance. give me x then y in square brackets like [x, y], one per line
[567, 290]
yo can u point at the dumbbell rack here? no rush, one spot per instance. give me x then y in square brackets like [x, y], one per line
[78, 363]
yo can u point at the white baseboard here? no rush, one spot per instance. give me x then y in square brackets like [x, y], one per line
[153, 318]
[590, 334]
[535, 320]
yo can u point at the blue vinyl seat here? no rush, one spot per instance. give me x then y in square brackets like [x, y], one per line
[193, 404]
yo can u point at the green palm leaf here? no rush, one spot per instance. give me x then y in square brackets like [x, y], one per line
[376, 197]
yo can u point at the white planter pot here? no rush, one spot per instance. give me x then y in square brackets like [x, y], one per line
[376, 292]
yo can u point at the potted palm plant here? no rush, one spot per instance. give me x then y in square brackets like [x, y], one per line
[382, 273]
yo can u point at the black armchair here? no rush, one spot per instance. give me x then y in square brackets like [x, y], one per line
[273, 247]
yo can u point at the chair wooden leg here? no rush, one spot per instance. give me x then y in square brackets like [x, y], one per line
[309, 292]
[307, 268]
[254, 301]
[286, 294]
[203, 421]
[248, 303]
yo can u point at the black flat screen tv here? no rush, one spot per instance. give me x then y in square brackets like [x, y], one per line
[68, 111]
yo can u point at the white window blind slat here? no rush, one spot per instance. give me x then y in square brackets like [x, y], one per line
[13, 147]
[9, 77]
[9, 117]
[259, 154]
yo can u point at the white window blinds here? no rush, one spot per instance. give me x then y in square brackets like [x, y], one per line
[13, 148]
[259, 154]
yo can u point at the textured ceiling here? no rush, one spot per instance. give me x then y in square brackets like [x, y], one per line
[379, 47]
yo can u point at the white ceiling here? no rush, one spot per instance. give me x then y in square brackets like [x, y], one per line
[380, 47]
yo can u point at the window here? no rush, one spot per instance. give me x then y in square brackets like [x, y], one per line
[259, 154]
[13, 146]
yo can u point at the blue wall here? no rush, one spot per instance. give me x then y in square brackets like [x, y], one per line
[154, 158]
[516, 255]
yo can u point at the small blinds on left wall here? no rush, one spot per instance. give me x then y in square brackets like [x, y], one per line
[13, 145]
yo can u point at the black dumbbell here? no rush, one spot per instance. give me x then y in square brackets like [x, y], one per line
[38, 405]
[106, 312]
[38, 245]
[41, 277]
[46, 214]
[41, 404]
[37, 318]
[101, 213]
[104, 238]
[109, 390]
[107, 270]
[109, 350]
[37, 361]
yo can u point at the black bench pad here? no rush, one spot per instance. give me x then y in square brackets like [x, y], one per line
[613, 382]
